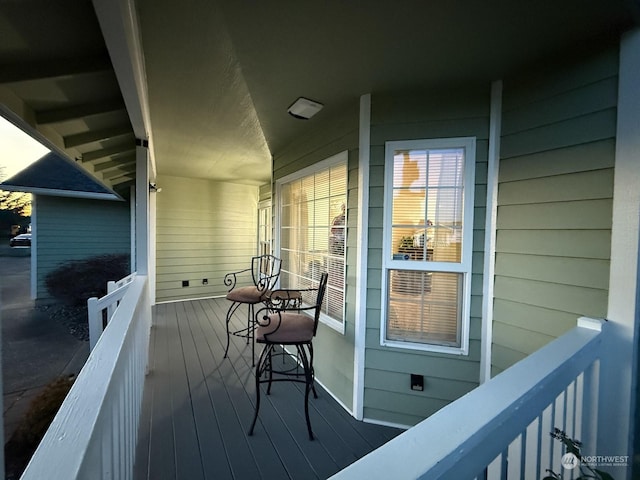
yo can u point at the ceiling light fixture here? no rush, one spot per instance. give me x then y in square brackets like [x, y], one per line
[304, 108]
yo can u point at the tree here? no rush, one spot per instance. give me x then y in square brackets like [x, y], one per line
[16, 202]
[15, 209]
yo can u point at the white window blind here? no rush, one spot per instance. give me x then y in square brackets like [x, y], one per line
[428, 226]
[313, 233]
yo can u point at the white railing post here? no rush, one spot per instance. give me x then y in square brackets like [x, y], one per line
[110, 302]
[95, 322]
[504, 425]
[95, 431]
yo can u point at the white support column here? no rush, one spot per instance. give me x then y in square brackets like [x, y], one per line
[33, 278]
[363, 250]
[142, 210]
[1, 395]
[132, 227]
[495, 126]
[617, 388]
[152, 245]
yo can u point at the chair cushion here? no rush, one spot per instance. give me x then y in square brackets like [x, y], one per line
[293, 328]
[249, 294]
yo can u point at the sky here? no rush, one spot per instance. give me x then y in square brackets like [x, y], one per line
[17, 149]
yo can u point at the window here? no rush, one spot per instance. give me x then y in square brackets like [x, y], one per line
[427, 245]
[264, 228]
[312, 232]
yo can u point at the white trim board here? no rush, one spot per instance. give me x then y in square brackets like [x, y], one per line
[495, 126]
[617, 387]
[363, 250]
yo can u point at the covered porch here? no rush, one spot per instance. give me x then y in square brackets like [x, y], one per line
[187, 417]
[197, 408]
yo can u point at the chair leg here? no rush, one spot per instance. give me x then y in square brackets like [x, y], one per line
[308, 386]
[270, 367]
[251, 333]
[232, 309]
[313, 372]
[260, 368]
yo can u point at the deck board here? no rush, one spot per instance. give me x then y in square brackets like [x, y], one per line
[198, 406]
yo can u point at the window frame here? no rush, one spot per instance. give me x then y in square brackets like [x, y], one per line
[463, 267]
[262, 206]
[341, 158]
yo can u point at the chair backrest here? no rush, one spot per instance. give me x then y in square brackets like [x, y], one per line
[322, 288]
[265, 270]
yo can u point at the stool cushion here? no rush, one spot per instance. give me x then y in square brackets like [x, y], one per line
[288, 327]
[249, 294]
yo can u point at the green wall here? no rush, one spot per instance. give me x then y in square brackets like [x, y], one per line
[554, 203]
[334, 352]
[76, 228]
[204, 229]
[423, 115]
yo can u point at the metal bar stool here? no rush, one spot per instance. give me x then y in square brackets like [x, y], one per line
[264, 271]
[287, 322]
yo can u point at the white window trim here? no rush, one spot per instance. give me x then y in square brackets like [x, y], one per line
[341, 158]
[464, 267]
[262, 205]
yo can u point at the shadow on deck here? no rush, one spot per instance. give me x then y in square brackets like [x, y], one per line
[198, 406]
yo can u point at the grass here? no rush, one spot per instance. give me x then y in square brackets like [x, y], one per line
[26, 438]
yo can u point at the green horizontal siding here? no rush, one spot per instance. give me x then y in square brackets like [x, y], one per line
[579, 272]
[575, 158]
[555, 295]
[599, 95]
[554, 204]
[587, 128]
[204, 229]
[333, 351]
[595, 244]
[75, 229]
[573, 215]
[590, 185]
[425, 115]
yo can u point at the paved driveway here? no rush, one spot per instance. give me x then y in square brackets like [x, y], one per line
[35, 349]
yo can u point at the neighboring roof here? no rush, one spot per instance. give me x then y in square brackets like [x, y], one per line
[55, 176]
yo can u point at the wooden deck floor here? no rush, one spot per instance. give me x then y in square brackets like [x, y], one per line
[198, 406]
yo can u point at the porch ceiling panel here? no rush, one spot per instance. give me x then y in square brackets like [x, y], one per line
[57, 81]
[202, 114]
[220, 74]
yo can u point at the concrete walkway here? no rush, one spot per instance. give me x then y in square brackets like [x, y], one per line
[35, 350]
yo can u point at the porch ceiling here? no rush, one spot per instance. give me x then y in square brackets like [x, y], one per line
[221, 74]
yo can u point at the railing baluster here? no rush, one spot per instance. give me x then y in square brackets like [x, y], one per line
[523, 454]
[513, 458]
[533, 396]
[590, 407]
[570, 405]
[94, 433]
[531, 452]
[504, 464]
[494, 468]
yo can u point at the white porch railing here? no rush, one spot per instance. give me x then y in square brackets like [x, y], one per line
[101, 310]
[502, 429]
[95, 432]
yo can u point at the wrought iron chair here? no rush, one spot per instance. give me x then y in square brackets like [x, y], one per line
[264, 271]
[286, 321]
